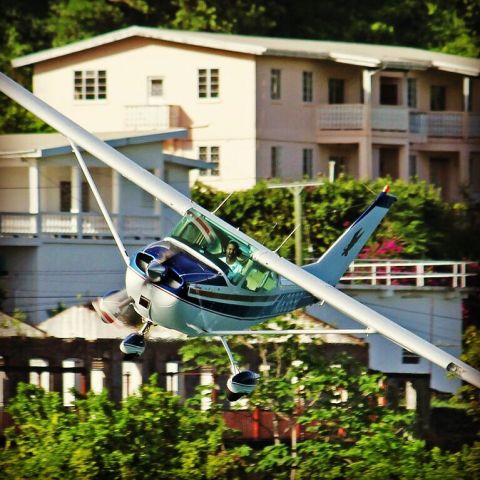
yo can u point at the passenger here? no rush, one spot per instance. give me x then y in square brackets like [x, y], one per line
[231, 259]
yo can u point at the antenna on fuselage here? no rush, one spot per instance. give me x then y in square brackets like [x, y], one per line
[223, 202]
[285, 241]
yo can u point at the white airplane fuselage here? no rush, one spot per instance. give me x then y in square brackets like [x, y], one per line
[195, 295]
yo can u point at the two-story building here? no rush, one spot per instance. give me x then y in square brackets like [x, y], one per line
[259, 108]
[55, 245]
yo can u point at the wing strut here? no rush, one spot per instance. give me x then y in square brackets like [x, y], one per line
[99, 200]
[181, 204]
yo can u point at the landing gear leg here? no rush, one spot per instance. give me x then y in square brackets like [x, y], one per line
[134, 344]
[240, 383]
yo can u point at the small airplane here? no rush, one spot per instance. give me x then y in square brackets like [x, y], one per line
[207, 278]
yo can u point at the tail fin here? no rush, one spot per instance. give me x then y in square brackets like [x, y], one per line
[335, 261]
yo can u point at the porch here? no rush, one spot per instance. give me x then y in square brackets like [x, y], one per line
[15, 226]
[398, 119]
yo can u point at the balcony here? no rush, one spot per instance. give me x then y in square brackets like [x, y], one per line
[399, 119]
[151, 117]
[15, 225]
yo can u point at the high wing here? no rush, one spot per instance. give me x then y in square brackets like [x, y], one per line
[178, 202]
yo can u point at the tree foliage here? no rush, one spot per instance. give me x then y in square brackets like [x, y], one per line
[28, 26]
[419, 224]
[150, 435]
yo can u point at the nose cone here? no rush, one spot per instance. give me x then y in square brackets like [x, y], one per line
[156, 271]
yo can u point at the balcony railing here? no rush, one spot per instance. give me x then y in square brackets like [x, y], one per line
[349, 116]
[77, 225]
[390, 118]
[418, 273]
[150, 117]
[346, 116]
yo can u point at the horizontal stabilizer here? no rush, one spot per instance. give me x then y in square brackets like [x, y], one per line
[335, 261]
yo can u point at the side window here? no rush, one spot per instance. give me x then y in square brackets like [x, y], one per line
[259, 279]
[336, 90]
[90, 85]
[275, 84]
[208, 83]
[212, 156]
[307, 87]
[438, 94]
[276, 162]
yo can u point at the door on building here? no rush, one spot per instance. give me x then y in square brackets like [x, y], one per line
[439, 174]
[388, 163]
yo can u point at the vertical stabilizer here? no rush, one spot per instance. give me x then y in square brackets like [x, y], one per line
[335, 261]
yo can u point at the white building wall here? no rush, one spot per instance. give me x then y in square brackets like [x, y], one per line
[13, 189]
[227, 121]
[433, 314]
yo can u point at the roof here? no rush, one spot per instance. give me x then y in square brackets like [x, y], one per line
[11, 327]
[366, 55]
[81, 321]
[45, 145]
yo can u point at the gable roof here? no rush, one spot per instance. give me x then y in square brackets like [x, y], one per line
[11, 327]
[45, 145]
[366, 55]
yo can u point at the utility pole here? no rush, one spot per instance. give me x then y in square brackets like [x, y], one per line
[296, 190]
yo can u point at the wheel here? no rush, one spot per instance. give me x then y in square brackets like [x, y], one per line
[133, 345]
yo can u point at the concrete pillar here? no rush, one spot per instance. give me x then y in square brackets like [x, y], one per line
[365, 169]
[367, 86]
[158, 206]
[34, 197]
[116, 201]
[404, 161]
[464, 165]
[410, 396]
[76, 181]
[34, 187]
[466, 93]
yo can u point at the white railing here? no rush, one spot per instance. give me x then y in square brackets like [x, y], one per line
[77, 225]
[418, 273]
[445, 124]
[353, 116]
[390, 118]
[345, 116]
[148, 117]
[474, 125]
[418, 123]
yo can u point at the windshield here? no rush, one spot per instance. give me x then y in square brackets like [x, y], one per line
[232, 255]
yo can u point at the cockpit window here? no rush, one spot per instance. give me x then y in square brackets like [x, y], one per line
[215, 243]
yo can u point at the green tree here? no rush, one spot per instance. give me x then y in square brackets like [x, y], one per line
[150, 435]
[419, 223]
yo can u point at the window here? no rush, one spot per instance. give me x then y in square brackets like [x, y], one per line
[307, 169]
[39, 376]
[339, 164]
[389, 91]
[474, 166]
[438, 94]
[66, 197]
[412, 161]
[155, 87]
[307, 87]
[409, 357]
[212, 156]
[275, 162]
[90, 84]
[336, 90]
[412, 92]
[208, 83]
[275, 84]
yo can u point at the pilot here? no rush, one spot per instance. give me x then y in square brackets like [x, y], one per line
[231, 259]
